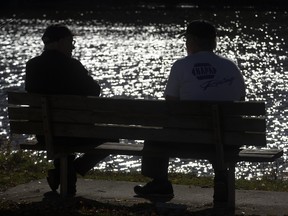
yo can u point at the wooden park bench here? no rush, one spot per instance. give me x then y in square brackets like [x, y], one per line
[190, 124]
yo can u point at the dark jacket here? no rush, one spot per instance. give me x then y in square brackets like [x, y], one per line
[54, 73]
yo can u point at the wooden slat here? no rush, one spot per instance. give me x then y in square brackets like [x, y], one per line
[262, 155]
[244, 124]
[158, 106]
[227, 107]
[137, 149]
[26, 127]
[246, 138]
[249, 155]
[84, 117]
[145, 133]
[112, 132]
[25, 113]
[142, 133]
[147, 106]
[243, 108]
[258, 155]
[165, 120]
[23, 98]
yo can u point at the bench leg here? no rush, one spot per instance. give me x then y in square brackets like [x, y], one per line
[224, 187]
[231, 186]
[64, 176]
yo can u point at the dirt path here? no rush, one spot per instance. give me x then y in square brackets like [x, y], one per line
[196, 200]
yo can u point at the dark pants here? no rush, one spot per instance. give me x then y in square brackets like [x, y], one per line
[157, 167]
[84, 163]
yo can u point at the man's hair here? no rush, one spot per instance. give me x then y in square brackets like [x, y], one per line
[203, 33]
[55, 32]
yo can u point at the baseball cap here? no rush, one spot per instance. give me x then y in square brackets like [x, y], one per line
[55, 32]
[201, 29]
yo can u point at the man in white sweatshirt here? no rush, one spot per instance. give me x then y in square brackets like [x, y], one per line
[201, 75]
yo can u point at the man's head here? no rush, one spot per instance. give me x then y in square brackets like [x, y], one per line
[58, 37]
[200, 36]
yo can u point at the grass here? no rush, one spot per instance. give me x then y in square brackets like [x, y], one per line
[20, 167]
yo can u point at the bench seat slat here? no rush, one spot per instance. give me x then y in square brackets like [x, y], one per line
[263, 155]
[249, 155]
[260, 155]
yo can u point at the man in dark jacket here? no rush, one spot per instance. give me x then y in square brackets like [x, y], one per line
[56, 72]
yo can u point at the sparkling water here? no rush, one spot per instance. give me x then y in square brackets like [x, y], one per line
[131, 58]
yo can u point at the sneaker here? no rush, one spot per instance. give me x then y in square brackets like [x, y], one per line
[53, 179]
[71, 192]
[155, 188]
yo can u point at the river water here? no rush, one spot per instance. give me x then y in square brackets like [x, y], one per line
[131, 55]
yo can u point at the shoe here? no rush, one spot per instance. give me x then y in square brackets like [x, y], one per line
[53, 179]
[155, 188]
[71, 192]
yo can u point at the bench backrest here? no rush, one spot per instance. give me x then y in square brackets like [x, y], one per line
[191, 122]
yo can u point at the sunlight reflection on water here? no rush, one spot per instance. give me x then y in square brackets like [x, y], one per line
[133, 61]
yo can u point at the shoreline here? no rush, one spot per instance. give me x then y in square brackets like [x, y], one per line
[118, 12]
[102, 4]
